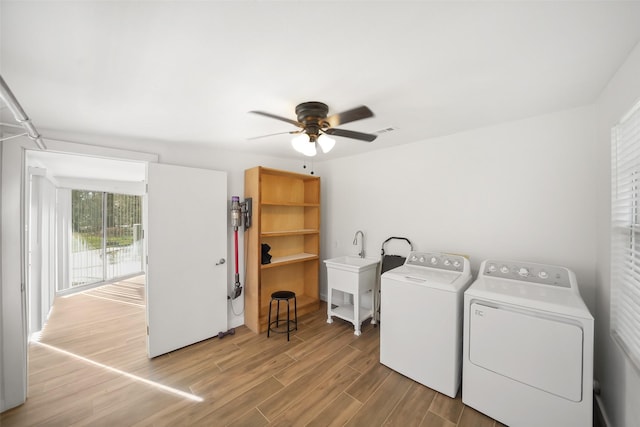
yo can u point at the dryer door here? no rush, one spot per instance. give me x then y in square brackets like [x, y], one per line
[543, 352]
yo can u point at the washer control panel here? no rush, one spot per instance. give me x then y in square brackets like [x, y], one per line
[528, 272]
[436, 260]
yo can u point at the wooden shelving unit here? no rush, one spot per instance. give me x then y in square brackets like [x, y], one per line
[286, 216]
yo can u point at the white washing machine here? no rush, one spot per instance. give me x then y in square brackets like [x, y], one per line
[421, 319]
[528, 346]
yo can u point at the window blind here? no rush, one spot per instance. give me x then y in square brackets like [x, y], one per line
[625, 234]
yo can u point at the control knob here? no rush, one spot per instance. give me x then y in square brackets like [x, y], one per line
[523, 272]
[504, 269]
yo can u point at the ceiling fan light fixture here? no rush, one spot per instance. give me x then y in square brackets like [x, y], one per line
[301, 144]
[315, 124]
[326, 144]
[311, 150]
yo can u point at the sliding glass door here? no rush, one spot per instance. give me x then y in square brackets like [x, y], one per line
[123, 235]
[87, 244]
[106, 236]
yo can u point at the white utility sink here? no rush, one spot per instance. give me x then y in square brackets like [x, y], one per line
[351, 263]
[355, 276]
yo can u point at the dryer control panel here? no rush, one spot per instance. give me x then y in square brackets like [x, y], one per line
[528, 272]
[439, 260]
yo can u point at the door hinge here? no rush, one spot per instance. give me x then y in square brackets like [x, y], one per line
[147, 329]
[147, 259]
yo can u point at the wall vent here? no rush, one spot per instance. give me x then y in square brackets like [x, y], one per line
[386, 130]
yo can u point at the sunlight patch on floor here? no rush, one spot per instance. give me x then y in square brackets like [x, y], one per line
[112, 299]
[126, 374]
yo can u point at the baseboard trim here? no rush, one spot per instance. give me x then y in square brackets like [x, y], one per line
[600, 414]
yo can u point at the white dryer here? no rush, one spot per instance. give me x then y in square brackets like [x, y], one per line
[421, 319]
[528, 346]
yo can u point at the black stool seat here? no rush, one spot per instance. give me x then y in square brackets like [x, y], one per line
[292, 325]
[282, 295]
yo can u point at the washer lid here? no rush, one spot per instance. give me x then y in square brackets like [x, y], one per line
[435, 278]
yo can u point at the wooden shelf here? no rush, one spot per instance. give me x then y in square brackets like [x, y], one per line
[294, 204]
[290, 259]
[286, 212]
[289, 232]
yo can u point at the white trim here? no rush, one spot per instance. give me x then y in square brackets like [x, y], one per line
[106, 185]
[37, 171]
[65, 147]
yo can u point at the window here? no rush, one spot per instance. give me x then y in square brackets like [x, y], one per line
[107, 236]
[625, 234]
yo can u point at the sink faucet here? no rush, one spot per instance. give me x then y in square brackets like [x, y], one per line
[355, 242]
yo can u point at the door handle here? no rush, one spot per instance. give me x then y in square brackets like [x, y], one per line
[222, 261]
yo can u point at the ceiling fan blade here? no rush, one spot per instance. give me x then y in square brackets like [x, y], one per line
[273, 116]
[358, 113]
[351, 134]
[274, 134]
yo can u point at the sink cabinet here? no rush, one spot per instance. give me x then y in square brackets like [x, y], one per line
[355, 276]
[286, 216]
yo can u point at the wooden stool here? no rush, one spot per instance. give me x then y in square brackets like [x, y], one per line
[283, 296]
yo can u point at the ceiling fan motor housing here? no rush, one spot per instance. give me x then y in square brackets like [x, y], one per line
[313, 115]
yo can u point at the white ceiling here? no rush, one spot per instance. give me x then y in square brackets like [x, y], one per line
[189, 72]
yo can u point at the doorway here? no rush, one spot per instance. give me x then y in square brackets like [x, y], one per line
[85, 225]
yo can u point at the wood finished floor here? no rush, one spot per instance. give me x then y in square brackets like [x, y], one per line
[91, 369]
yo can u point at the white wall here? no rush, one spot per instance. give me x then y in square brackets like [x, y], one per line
[520, 190]
[619, 381]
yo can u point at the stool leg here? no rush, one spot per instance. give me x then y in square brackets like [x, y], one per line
[288, 324]
[295, 308]
[278, 315]
[269, 321]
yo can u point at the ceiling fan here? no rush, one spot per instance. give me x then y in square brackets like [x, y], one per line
[315, 126]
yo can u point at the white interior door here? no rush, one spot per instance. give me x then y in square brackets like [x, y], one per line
[187, 236]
